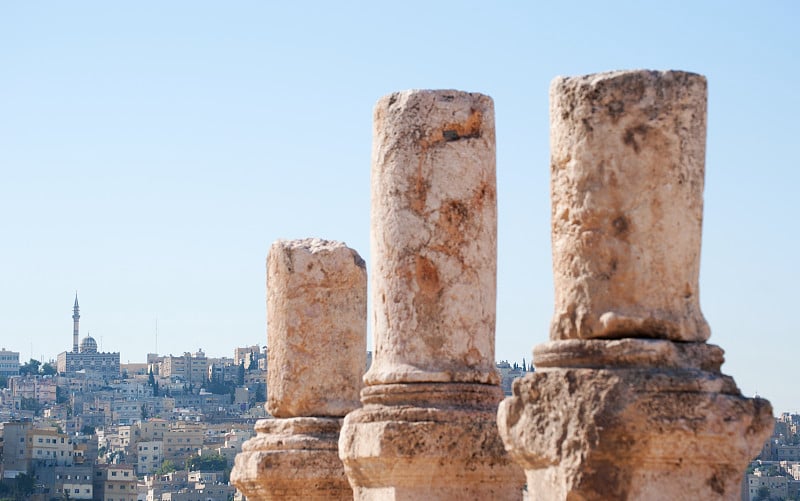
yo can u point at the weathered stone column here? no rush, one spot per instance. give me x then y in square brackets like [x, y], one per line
[628, 401]
[316, 308]
[427, 428]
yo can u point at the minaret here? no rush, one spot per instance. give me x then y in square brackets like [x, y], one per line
[75, 318]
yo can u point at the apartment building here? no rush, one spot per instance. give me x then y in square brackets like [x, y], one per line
[115, 482]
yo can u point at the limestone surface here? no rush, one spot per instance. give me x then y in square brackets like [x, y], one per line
[632, 434]
[292, 459]
[628, 401]
[316, 328]
[431, 441]
[627, 174]
[433, 238]
[427, 429]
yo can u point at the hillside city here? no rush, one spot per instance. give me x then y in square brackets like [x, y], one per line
[86, 426]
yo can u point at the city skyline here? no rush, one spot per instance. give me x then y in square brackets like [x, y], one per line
[152, 153]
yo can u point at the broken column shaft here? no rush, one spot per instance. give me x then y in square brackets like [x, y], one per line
[316, 307]
[628, 401]
[427, 430]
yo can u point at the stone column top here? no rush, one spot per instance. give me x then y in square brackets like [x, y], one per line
[627, 174]
[316, 328]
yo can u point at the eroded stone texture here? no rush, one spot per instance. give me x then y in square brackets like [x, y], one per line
[316, 332]
[627, 169]
[316, 304]
[432, 441]
[427, 429]
[644, 434]
[292, 459]
[647, 416]
[434, 238]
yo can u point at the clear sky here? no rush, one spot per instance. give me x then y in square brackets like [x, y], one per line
[150, 153]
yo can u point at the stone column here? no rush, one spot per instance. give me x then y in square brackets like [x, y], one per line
[316, 308]
[427, 428]
[628, 401]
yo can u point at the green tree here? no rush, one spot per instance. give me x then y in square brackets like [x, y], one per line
[145, 414]
[31, 404]
[30, 368]
[48, 370]
[3, 382]
[151, 381]
[88, 430]
[23, 486]
[62, 395]
[240, 374]
[763, 493]
[207, 462]
[261, 394]
[219, 387]
[167, 466]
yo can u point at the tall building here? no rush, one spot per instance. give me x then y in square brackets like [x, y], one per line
[9, 363]
[191, 368]
[85, 357]
[75, 320]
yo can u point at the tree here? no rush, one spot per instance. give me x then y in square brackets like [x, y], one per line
[763, 493]
[31, 404]
[240, 374]
[30, 368]
[48, 370]
[23, 486]
[167, 466]
[207, 462]
[62, 395]
[219, 388]
[261, 394]
[3, 382]
[253, 365]
[145, 414]
[151, 381]
[88, 430]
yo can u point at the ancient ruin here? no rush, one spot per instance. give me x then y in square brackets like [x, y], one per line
[427, 428]
[316, 308]
[628, 401]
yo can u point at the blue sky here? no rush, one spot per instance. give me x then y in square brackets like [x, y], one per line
[151, 152]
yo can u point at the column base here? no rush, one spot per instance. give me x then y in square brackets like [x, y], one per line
[292, 459]
[432, 441]
[632, 419]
